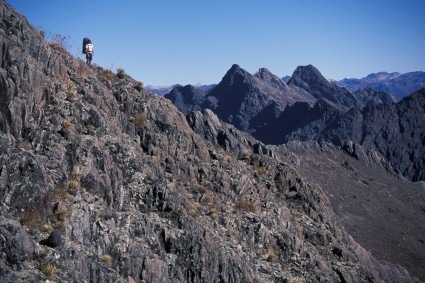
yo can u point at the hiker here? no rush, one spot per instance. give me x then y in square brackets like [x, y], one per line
[88, 49]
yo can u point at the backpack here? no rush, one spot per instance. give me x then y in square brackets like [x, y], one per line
[85, 41]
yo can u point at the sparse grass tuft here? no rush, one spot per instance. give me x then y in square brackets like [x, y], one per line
[25, 145]
[120, 73]
[66, 124]
[246, 206]
[47, 228]
[139, 121]
[73, 184]
[107, 259]
[103, 214]
[271, 256]
[49, 270]
[261, 170]
[246, 154]
[105, 75]
[72, 94]
[62, 211]
[60, 194]
[91, 127]
[201, 189]
[139, 86]
[31, 219]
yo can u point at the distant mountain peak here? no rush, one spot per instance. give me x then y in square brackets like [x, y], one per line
[233, 74]
[307, 73]
[265, 75]
[381, 76]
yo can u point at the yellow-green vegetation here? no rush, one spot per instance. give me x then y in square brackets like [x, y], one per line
[246, 153]
[261, 170]
[139, 86]
[62, 211]
[103, 214]
[60, 194]
[25, 145]
[120, 73]
[107, 259]
[213, 211]
[57, 46]
[107, 74]
[246, 206]
[139, 121]
[271, 256]
[72, 94]
[74, 183]
[66, 124]
[31, 219]
[59, 41]
[49, 270]
[91, 127]
[201, 190]
[47, 228]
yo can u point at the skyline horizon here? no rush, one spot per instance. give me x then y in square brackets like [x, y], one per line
[281, 77]
[194, 42]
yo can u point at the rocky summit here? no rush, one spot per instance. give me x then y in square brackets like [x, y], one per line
[102, 181]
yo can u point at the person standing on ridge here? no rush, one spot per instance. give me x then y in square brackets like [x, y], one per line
[88, 49]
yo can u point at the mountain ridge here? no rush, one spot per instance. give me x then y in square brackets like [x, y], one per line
[397, 84]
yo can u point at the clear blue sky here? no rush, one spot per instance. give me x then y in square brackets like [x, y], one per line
[162, 42]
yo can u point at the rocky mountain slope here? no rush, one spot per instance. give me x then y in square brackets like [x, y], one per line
[187, 98]
[379, 208]
[311, 80]
[394, 130]
[397, 131]
[399, 85]
[240, 96]
[101, 181]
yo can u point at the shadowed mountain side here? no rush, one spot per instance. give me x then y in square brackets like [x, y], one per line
[312, 81]
[370, 96]
[396, 131]
[186, 98]
[240, 96]
[299, 122]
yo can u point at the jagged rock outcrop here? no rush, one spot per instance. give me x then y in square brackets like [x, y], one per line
[299, 122]
[311, 80]
[240, 96]
[102, 181]
[370, 96]
[187, 98]
[396, 131]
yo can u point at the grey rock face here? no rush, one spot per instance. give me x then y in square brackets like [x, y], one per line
[396, 131]
[310, 79]
[187, 98]
[370, 96]
[241, 97]
[118, 186]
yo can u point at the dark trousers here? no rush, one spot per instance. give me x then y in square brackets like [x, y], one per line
[89, 57]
